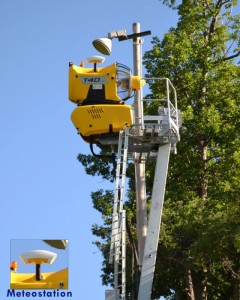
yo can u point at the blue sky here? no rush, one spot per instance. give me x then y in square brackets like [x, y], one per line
[45, 193]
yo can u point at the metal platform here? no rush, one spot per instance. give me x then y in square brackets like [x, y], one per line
[154, 130]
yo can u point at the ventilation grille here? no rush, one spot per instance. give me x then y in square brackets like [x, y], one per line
[95, 112]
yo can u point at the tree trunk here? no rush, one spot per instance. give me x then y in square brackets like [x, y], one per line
[189, 284]
[200, 286]
[204, 183]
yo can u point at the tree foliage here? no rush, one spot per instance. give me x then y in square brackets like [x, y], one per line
[199, 247]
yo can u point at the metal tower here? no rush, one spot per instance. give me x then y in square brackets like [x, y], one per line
[153, 139]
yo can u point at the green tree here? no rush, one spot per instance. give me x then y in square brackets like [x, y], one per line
[199, 237]
[198, 255]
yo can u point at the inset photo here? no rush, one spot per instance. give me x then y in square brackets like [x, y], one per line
[39, 264]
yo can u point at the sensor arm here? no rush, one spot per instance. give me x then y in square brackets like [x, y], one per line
[133, 36]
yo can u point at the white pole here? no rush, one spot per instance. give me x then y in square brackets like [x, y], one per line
[139, 167]
[155, 216]
[123, 254]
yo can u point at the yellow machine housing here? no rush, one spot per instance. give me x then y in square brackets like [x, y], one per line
[100, 94]
[110, 84]
[93, 120]
[85, 85]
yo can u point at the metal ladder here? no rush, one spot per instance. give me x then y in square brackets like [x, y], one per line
[118, 236]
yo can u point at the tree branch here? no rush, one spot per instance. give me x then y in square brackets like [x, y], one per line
[232, 56]
[227, 58]
[227, 1]
[208, 6]
[214, 19]
[227, 264]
